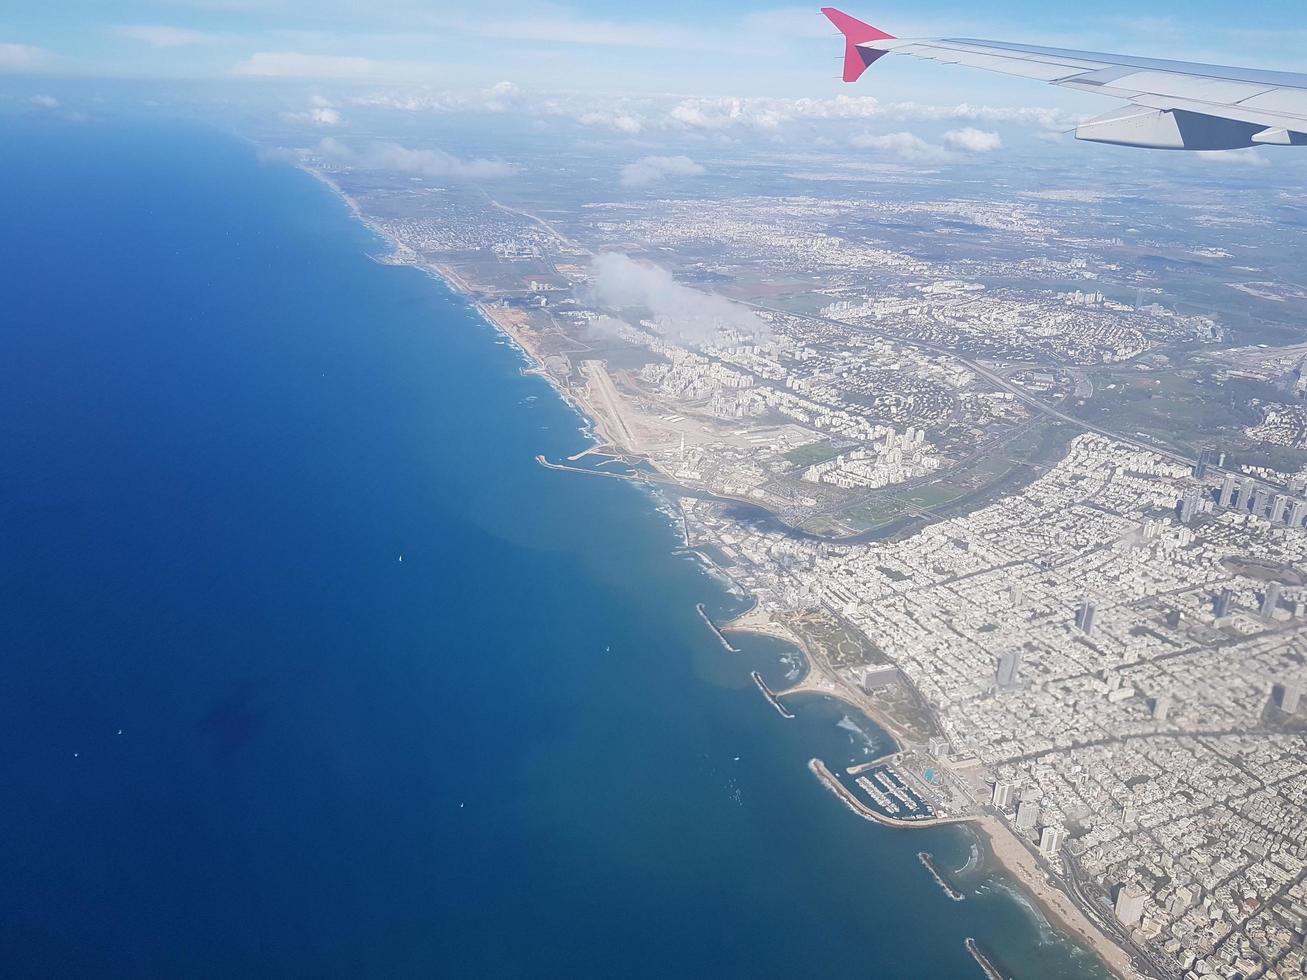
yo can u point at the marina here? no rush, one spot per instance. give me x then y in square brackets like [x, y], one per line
[891, 795]
[850, 800]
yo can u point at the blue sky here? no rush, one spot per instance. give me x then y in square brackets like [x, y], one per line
[677, 46]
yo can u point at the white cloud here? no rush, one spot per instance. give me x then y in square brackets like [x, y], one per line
[162, 35]
[568, 29]
[295, 64]
[911, 147]
[23, 58]
[1234, 158]
[708, 113]
[972, 140]
[44, 101]
[1038, 116]
[409, 102]
[322, 112]
[651, 170]
[428, 163]
[325, 116]
[773, 113]
[905, 146]
[680, 312]
[637, 115]
[501, 97]
[619, 121]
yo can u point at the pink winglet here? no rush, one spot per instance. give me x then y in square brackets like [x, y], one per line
[856, 60]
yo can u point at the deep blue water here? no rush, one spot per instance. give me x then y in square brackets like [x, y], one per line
[241, 738]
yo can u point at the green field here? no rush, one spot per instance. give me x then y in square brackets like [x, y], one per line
[813, 452]
[967, 488]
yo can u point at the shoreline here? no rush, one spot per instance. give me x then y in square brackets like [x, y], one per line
[1052, 901]
[1014, 860]
[815, 681]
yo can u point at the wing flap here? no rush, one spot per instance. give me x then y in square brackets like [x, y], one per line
[1203, 89]
[1289, 101]
[1262, 117]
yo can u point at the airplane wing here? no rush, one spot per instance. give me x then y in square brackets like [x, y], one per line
[1175, 105]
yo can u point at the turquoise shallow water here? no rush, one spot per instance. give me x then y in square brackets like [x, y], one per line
[243, 738]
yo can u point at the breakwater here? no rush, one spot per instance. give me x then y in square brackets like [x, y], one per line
[770, 695]
[703, 614]
[926, 862]
[984, 962]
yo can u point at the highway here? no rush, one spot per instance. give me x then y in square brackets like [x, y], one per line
[1086, 894]
[993, 377]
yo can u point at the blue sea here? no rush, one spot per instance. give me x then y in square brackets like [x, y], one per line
[309, 669]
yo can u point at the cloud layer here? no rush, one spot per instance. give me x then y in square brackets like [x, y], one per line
[401, 159]
[23, 58]
[958, 143]
[295, 64]
[162, 35]
[1235, 158]
[724, 116]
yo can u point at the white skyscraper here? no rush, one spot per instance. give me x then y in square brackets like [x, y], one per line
[1290, 696]
[1130, 904]
[1002, 797]
[1027, 815]
[1227, 490]
[1270, 600]
[1007, 674]
[1051, 841]
[1085, 617]
[1161, 705]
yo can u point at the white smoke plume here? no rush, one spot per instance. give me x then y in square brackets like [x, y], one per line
[651, 170]
[681, 314]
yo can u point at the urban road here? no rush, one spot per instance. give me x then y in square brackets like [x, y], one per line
[1086, 893]
[993, 377]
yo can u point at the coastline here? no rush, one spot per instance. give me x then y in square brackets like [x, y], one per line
[1014, 859]
[1011, 855]
[1053, 902]
[814, 679]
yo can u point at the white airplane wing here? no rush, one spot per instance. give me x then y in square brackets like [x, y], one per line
[1176, 105]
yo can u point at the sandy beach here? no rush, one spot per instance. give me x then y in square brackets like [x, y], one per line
[1016, 861]
[817, 679]
[1011, 854]
[1056, 905]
